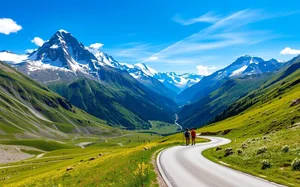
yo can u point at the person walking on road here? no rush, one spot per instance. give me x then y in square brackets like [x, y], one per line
[193, 133]
[187, 136]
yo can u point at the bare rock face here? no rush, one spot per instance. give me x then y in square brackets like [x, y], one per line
[295, 102]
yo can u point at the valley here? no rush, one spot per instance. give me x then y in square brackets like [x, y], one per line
[73, 115]
[99, 162]
[120, 124]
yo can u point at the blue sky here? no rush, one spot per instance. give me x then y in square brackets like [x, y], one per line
[170, 35]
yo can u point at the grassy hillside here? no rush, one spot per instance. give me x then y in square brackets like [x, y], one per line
[265, 130]
[127, 106]
[156, 86]
[118, 161]
[206, 109]
[29, 110]
[162, 128]
[278, 84]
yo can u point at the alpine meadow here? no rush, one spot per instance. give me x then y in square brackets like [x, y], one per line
[160, 93]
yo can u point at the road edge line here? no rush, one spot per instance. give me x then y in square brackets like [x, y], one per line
[161, 171]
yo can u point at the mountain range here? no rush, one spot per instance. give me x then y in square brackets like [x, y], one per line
[130, 95]
[245, 65]
[216, 92]
[29, 110]
[64, 62]
[64, 52]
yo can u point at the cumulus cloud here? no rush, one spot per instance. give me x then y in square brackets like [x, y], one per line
[289, 51]
[205, 70]
[8, 26]
[96, 45]
[38, 41]
[29, 50]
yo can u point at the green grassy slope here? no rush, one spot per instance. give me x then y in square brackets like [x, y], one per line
[113, 162]
[156, 86]
[128, 106]
[206, 109]
[278, 84]
[30, 110]
[261, 125]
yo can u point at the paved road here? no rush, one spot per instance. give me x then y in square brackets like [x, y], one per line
[184, 166]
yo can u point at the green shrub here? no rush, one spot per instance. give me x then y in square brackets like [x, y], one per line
[285, 149]
[265, 164]
[244, 146]
[239, 151]
[296, 164]
[228, 151]
[262, 150]
[142, 174]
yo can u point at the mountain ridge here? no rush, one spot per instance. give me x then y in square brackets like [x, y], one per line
[64, 61]
[29, 110]
[244, 65]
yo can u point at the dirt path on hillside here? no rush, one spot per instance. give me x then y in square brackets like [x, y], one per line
[13, 153]
[84, 144]
[159, 180]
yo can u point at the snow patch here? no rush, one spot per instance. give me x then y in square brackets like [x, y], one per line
[54, 46]
[146, 69]
[238, 71]
[62, 31]
[135, 75]
[12, 58]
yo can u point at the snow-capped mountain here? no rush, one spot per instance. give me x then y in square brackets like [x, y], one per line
[145, 74]
[135, 70]
[64, 58]
[177, 82]
[141, 72]
[244, 65]
[247, 65]
[64, 51]
[104, 58]
[69, 68]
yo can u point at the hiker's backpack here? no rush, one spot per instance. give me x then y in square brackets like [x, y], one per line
[187, 134]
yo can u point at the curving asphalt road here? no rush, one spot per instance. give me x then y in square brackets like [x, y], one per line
[184, 166]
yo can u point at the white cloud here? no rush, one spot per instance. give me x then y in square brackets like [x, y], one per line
[153, 58]
[29, 50]
[207, 18]
[8, 26]
[96, 45]
[224, 34]
[289, 51]
[38, 41]
[205, 70]
[213, 44]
